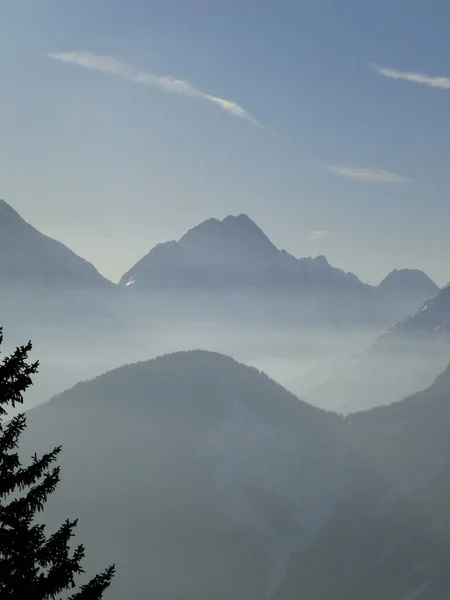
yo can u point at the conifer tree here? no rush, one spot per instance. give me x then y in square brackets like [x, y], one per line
[33, 566]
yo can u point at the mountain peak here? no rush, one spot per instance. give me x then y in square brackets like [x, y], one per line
[406, 280]
[8, 215]
[233, 232]
[241, 219]
[232, 253]
[322, 260]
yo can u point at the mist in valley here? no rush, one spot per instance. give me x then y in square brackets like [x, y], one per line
[73, 346]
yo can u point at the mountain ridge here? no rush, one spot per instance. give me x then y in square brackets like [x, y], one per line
[212, 262]
[235, 242]
[28, 257]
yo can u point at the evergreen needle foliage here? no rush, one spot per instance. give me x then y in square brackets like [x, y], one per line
[32, 565]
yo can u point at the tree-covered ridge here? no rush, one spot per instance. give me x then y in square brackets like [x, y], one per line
[194, 472]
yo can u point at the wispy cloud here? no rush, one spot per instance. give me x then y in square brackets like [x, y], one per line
[431, 81]
[318, 234]
[367, 175]
[165, 83]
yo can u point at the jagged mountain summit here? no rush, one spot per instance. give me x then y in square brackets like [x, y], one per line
[29, 258]
[234, 256]
[232, 253]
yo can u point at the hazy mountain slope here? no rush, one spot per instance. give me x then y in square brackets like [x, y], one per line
[41, 280]
[431, 320]
[401, 361]
[390, 537]
[58, 299]
[29, 258]
[197, 475]
[408, 288]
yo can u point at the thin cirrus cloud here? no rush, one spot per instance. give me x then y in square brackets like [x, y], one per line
[318, 234]
[367, 175]
[165, 83]
[421, 78]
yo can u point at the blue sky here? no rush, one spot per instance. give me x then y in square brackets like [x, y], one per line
[349, 156]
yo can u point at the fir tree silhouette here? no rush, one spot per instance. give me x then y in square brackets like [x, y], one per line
[32, 565]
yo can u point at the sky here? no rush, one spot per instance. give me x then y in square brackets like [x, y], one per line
[123, 124]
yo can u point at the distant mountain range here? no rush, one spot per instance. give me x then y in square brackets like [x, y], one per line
[202, 478]
[216, 265]
[235, 252]
[235, 255]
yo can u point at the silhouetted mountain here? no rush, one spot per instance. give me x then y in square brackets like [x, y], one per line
[390, 537]
[234, 257]
[228, 254]
[225, 269]
[29, 258]
[199, 475]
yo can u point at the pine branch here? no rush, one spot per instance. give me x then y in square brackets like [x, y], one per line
[17, 478]
[60, 567]
[12, 432]
[33, 501]
[15, 376]
[96, 586]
